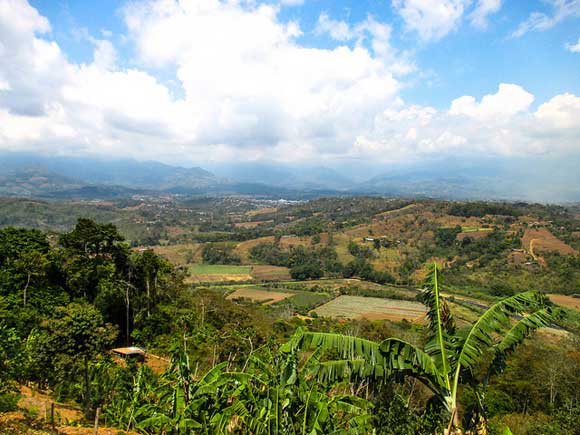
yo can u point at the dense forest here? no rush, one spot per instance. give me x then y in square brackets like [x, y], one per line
[237, 365]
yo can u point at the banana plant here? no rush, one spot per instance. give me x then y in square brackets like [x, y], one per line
[449, 357]
[283, 394]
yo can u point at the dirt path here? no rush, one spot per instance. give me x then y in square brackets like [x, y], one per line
[537, 258]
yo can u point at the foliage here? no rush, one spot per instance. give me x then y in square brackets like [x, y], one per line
[447, 357]
[214, 253]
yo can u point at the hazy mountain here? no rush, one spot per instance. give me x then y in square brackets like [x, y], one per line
[128, 173]
[539, 179]
[287, 176]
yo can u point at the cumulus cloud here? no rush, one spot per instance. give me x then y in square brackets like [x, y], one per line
[499, 124]
[540, 21]
[561, 112]
[249, 91]
[509, 100]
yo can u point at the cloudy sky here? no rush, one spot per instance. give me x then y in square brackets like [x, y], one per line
[290, 80]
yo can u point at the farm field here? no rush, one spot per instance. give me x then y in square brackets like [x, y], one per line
[219, 269]
[259, 295]
[217, 272]
[270, 273]
[541, 239]
[474, 229]
[359, 307]
[565, 301]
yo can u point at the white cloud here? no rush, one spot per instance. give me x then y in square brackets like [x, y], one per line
[574, 48]
[509, 100]
[431, 19]
[337, 29]
[105, 55]
[540, 21]
[250, 91]
[483, 9]
[373, 32]
[561, 112]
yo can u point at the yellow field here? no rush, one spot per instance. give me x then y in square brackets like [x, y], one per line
[180, 254]
[257, 295]
[565, 301]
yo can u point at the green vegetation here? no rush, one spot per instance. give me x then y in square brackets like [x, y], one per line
[256, 365]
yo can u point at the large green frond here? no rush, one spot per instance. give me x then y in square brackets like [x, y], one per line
[440, 343]
[438, 311]
[347, 346]
[359, 358]
[520, 331]
[495, 320]
[404, 357]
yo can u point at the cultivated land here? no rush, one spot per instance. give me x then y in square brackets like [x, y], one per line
[357, 307]
[566, 301]
[218, 273]
[538, 240]
[259, 295]
[263, 272]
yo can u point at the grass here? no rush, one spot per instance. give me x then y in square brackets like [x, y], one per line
[306, 301]
[474, 229]
[219, 269]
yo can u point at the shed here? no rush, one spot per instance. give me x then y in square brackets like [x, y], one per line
[131, 352]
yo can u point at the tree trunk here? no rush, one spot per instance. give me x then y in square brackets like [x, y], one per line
[26, 287]
[87, 389]
[127, 314]
[148, 286]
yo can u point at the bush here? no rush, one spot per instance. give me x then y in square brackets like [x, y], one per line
[214, 253]
[9, 402]
[304, 272]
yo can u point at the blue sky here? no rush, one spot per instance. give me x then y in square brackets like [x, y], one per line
[291, 80]
[467, 61]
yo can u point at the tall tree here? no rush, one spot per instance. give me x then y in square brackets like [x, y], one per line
[67, 343]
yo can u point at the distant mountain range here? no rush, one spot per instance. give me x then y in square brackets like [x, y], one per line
[541, 180]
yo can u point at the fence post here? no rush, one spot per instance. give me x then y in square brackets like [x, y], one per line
[52, 415]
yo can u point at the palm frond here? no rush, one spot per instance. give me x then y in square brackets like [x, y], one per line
[404, 357]
[441, 324]
[495, 320]
[347, 346]
[333, 371]
[519, 332]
